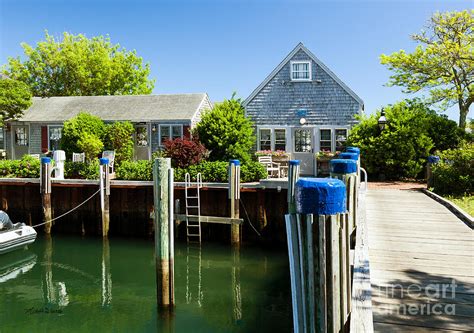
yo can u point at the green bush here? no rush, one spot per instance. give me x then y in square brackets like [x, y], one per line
[454, 174]
[226, 131]
[136, 170]
[91, 145]
[75, 128]
[119, 137]
[27, 167]
[252, 171]
[78, 170]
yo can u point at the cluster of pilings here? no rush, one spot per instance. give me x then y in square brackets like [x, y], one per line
[320, 224]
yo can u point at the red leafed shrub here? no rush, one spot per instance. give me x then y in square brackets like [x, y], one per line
[184, 153]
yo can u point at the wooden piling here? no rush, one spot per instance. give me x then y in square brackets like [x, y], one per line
[234, 197]
[45, 189]
[104, 178]
[164, 271]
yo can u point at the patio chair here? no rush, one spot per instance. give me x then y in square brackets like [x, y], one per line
[272, 167]
[78, 157]
[110, 154]
[36, 156]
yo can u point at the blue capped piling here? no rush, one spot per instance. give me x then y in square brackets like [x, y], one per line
[320, 196]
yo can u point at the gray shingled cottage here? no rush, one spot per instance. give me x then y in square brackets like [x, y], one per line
[155, 117]
[302, 107]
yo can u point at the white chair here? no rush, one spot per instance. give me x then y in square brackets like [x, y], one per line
[271, 166]
[78, 157]
[109, 154]
[36, 156]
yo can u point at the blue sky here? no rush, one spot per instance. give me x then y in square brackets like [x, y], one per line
[223, 46]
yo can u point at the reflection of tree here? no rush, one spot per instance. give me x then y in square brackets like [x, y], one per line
[236, 292]
[106, 275]
[54, 293]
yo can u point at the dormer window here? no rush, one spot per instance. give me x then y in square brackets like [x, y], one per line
[300, 70]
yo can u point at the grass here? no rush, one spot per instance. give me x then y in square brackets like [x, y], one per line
[466, 203]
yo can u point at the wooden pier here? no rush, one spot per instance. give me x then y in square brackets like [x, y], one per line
[417, 248]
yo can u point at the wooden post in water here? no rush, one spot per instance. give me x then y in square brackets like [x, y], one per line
[45, 189]
[162, 187]
[234, 197]
[104, 180]
[346, 170]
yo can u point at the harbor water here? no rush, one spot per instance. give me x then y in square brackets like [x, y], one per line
[74, 284]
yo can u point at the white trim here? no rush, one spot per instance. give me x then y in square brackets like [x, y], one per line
[199, 111]
[48, 126]
[310, 76]
[298, 47]
[260, 138]
[272, 136]
[331, 137]
[340, 128]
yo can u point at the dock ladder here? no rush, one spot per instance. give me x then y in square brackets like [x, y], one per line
[193, 207]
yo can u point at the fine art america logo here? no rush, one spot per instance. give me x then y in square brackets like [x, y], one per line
[432, 299]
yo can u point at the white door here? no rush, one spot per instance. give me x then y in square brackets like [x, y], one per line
[303, 149]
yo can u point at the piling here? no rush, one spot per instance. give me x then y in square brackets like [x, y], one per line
[162, 192]
[432, 159]
[234, 197]
[45, 189]
[104, 180]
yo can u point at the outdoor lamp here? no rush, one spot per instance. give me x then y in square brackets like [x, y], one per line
[302, 121]
[382, 120]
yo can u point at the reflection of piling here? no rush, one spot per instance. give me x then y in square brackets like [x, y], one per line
[45, 189]
[236, 290]
[106, 275]
[234, 197]
[104, 178]
[48, 288]
[162, 190]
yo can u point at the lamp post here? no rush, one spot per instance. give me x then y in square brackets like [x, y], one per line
[382, 120]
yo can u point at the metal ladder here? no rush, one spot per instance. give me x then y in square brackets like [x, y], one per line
[193, 207]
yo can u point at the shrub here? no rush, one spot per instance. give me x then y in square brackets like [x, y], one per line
[91, 145]
[252, 171]
[27, 167]
[184, 152]
[136, 170]
[226, 131]
[454, 174]
[78, 170]
[75, 128]
[119, 137]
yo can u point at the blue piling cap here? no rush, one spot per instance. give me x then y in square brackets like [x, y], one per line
[343, 166]
[236, 162]
[295, 162]
[103, 161]
[320, 196]
[45, 160]
[349, 156]
[353, 150]
[433, 159]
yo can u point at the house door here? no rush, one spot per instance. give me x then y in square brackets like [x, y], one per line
[303, 149]
[142, 142]
[20, 141]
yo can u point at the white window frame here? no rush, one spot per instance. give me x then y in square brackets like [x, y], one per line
[53, 126]
[260, 137]
[170, 127]
[309, 69]
[335, 139]
[272, 137]
[331, 137]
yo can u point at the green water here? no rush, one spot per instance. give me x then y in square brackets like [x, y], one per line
[73, 284]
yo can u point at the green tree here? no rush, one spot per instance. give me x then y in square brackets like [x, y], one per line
[75, 128]
[91, 145]
[226, 131]
[442, 64]
[78, 66]
[15, 97]
[118, 137]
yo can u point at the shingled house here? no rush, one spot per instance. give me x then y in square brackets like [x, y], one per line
[155, 118]
[302, 107]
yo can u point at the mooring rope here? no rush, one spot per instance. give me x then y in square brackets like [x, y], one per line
[70, 211]
[248, 219]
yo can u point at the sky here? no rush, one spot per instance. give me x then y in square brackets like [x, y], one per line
[227, 46]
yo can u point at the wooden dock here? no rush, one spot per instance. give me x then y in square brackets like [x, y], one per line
[417, 248]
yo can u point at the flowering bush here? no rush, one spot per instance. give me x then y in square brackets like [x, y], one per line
[273, 153]
[184, 153]
[327, 154]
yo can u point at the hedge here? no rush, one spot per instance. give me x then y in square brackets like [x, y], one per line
[27, 167]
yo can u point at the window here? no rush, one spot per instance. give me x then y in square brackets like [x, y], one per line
[341, 138]
[21, 136]
[325, 140]
[170, 132]
[303, 141]
[265, 139]
[141, 136]
[301, 70]
[2, 139]
[280, 139]
[54, 134]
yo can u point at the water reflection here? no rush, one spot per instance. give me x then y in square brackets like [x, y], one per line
[236, 292]
[54, 293]
[194, 274]
[106, 275]
[16, 264]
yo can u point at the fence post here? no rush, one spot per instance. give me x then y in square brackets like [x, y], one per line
[45, 190]
[234, 197]
[432, 159]
[163, 252]
[356, 158]
[104, 181]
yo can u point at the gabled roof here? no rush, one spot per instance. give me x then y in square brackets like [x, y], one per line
[135, 108]
[299, 47]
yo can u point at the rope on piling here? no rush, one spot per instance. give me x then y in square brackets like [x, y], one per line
[248, 219]
[70, 211]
